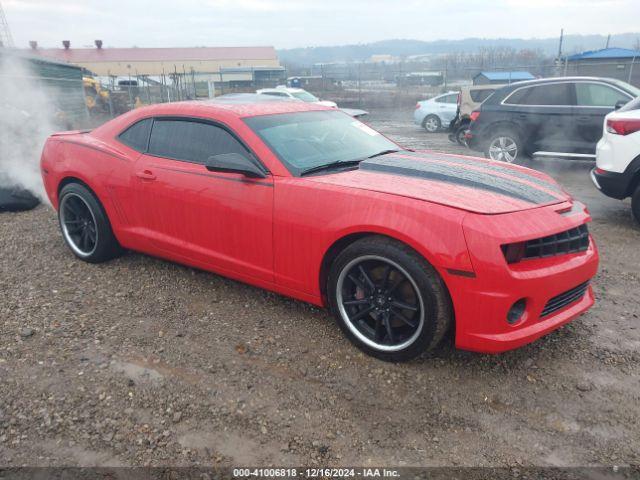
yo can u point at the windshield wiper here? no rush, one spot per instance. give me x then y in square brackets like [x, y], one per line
[344, 163]
[329, 166]
[384, 152]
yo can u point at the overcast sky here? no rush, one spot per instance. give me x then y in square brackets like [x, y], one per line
[300, 23]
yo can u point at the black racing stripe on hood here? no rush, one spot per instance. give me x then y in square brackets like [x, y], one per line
[488, 166]
[458, 176]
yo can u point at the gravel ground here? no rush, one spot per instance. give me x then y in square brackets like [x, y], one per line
[144, 362]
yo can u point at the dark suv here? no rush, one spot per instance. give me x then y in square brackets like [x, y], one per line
[550, 117]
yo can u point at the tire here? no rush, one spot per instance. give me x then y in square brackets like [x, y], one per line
[432, 123]
[635, 204]
[361, 303]
[500, 144]
[459, 134]
[81, 216]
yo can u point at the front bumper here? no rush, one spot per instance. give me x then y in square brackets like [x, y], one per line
[482, 303]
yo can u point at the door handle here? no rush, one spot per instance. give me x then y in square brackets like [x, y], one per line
[146, 175]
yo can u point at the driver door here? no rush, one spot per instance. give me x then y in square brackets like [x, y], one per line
[219, 219]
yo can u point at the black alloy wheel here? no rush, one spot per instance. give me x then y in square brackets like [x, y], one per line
[78, 225]
[381, 303]
[389, 301]
[85, 226]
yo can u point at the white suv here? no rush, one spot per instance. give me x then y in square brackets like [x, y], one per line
[295, 94]
[617, 172]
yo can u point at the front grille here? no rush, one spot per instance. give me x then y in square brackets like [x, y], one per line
[569, 241]
[564, 299]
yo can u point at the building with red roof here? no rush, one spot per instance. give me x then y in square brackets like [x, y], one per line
[157, 61]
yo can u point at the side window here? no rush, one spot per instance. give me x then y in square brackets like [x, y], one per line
[447, 99]
[480, 96]
[452, 98]
[191, 141]
[598, 95]
[275, 94]
[554, 94]
[137, 135]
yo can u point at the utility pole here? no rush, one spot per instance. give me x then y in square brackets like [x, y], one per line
[6, 40]
[560, 43]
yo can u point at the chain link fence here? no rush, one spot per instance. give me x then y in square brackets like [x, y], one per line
[395, 85]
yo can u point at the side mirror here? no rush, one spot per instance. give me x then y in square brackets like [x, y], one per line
[619, 104]
[234, 163]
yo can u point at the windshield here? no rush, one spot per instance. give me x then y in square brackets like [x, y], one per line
[305, 96]
[306, 140]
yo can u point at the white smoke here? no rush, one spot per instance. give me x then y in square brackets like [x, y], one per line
[27, 118]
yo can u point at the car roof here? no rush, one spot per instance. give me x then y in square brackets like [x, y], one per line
[486, 86]
[451, 92]
[540, 81]
[282, 89]
[240, 105]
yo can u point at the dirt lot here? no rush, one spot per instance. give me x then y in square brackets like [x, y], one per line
[140, 361]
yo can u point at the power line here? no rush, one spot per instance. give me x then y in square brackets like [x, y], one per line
[6, 40]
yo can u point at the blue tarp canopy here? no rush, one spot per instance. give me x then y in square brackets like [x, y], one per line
[507, 76]
[605, 53]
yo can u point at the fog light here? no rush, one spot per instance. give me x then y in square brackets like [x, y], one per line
[516, 311]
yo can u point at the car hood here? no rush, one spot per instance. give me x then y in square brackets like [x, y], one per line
[468, 183]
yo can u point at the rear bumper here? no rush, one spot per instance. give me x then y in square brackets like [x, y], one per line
[613, 184]
[482, 303]
[475, 139]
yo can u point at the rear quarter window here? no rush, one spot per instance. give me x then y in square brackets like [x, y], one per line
[137, 135]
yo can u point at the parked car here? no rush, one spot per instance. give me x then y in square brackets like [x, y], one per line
[617, 171]
[437, 112]
[307, 201]
[469, 99]
[549, 117]
[258, 98]
[295, 94]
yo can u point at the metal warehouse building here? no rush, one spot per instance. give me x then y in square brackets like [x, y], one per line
[218, 63]
[486, 78]
[620, 63]
[61, 82]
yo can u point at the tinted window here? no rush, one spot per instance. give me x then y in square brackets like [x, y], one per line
[191, 141]
[633, 105]
[480, 96]
[275, 94]
[598, 95]
[137, 135]
[551, 94]
[448, 99]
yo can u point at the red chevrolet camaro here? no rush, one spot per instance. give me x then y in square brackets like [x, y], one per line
[304, 200]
